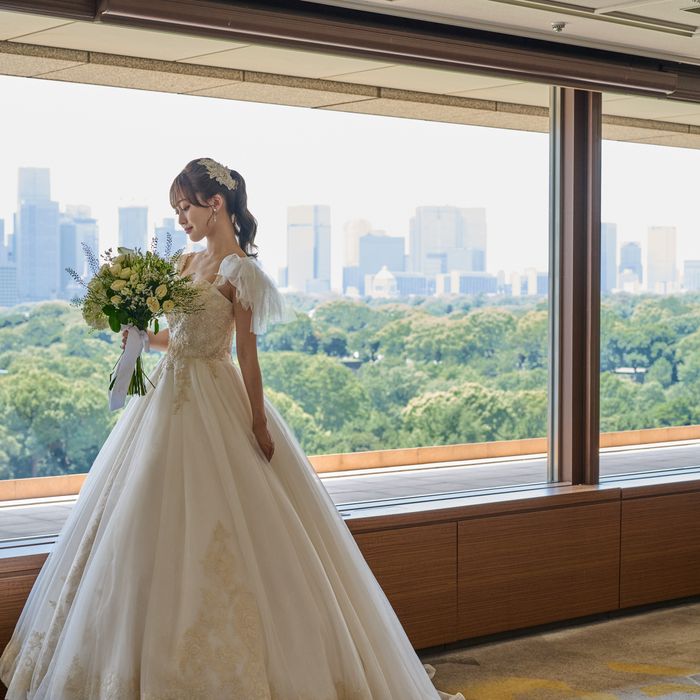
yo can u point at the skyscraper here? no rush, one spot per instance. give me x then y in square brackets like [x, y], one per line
[309, 248]
[86, 231]
[38, 241]
[631, 259]
[8, 272]
[608, 257]
[691, 275]
[133, 227]
[447, 238]
[70, 255]
[378, 250]
[353, 230]
[661, 259]
[353, 279]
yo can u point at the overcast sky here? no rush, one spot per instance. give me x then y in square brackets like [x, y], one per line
[110, 147]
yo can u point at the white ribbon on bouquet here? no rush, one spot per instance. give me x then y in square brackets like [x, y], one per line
[136, 343]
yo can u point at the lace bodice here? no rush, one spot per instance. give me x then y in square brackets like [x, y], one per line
[208, 334]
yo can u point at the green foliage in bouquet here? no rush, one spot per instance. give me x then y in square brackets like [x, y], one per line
[134, 288]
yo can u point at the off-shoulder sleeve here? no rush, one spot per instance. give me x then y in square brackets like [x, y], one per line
[255, 289]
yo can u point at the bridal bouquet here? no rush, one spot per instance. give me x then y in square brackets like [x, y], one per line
[131, 290]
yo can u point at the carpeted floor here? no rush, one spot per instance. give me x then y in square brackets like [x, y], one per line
[653, 654]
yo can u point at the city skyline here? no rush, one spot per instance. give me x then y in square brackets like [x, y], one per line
[361, 166]
[447, 252]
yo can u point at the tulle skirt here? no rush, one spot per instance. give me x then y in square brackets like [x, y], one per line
[191, 568]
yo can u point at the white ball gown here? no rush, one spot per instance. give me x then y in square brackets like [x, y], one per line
[191, 568]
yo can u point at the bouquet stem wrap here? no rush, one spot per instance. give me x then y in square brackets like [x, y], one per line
[124, 376]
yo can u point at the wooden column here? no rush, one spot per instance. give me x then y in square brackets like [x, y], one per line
[575, 284]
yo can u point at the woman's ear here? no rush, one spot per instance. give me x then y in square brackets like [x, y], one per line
[216, 201]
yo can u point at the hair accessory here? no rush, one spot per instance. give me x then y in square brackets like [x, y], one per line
[219, 173]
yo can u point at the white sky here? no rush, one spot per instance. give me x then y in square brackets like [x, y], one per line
[110, 147]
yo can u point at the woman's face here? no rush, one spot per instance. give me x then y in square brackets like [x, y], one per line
[196, 220]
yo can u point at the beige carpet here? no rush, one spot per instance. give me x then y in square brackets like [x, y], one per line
[647, 655]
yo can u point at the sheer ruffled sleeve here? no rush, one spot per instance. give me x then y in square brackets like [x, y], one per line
[256, 289]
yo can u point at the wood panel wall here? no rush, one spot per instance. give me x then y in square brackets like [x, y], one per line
[483, 570]
[416, 567]
[660, 548]
[17, 576]
[528, 569]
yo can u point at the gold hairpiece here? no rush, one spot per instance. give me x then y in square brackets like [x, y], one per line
[219, 173]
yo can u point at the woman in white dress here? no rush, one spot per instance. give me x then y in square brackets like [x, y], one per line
[204, 559]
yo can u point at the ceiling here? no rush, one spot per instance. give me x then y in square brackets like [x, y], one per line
[667, 29]
[192, 51]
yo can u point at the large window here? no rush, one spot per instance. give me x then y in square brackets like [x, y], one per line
[650, 284]
[422, 322]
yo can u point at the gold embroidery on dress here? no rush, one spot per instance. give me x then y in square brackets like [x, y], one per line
[222, 654]
[25, 658]
[198, 336]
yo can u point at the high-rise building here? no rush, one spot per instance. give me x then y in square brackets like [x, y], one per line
[661, 259]
[475, 236]
[133, 227]
[38, 240]
[71, 256]
[76, 227]
[309, 248]
[86, 232]
[631, 260]
[352, 284]
[447, 238]
[8, 272]
[9, 293]
[608, 257]
[178, 236]
[691, 275]
[378, 250]
[353, 230]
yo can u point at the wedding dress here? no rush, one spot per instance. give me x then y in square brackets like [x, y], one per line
[191, 568]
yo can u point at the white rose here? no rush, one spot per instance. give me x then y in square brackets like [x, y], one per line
[116, 300]
[168, 306]
[161, 290]
[125, 273]
[153, 304]
[115, 269]
[117, 285]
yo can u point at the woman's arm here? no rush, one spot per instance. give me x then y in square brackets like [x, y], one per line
[247, 353]
[160, 340]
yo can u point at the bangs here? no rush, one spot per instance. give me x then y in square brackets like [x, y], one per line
[182, 188]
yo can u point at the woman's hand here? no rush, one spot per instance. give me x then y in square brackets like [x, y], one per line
[125, 335]
[262, 435]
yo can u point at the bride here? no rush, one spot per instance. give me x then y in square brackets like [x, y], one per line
[204, 559]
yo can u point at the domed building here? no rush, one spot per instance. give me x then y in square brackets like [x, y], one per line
[383, 284]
